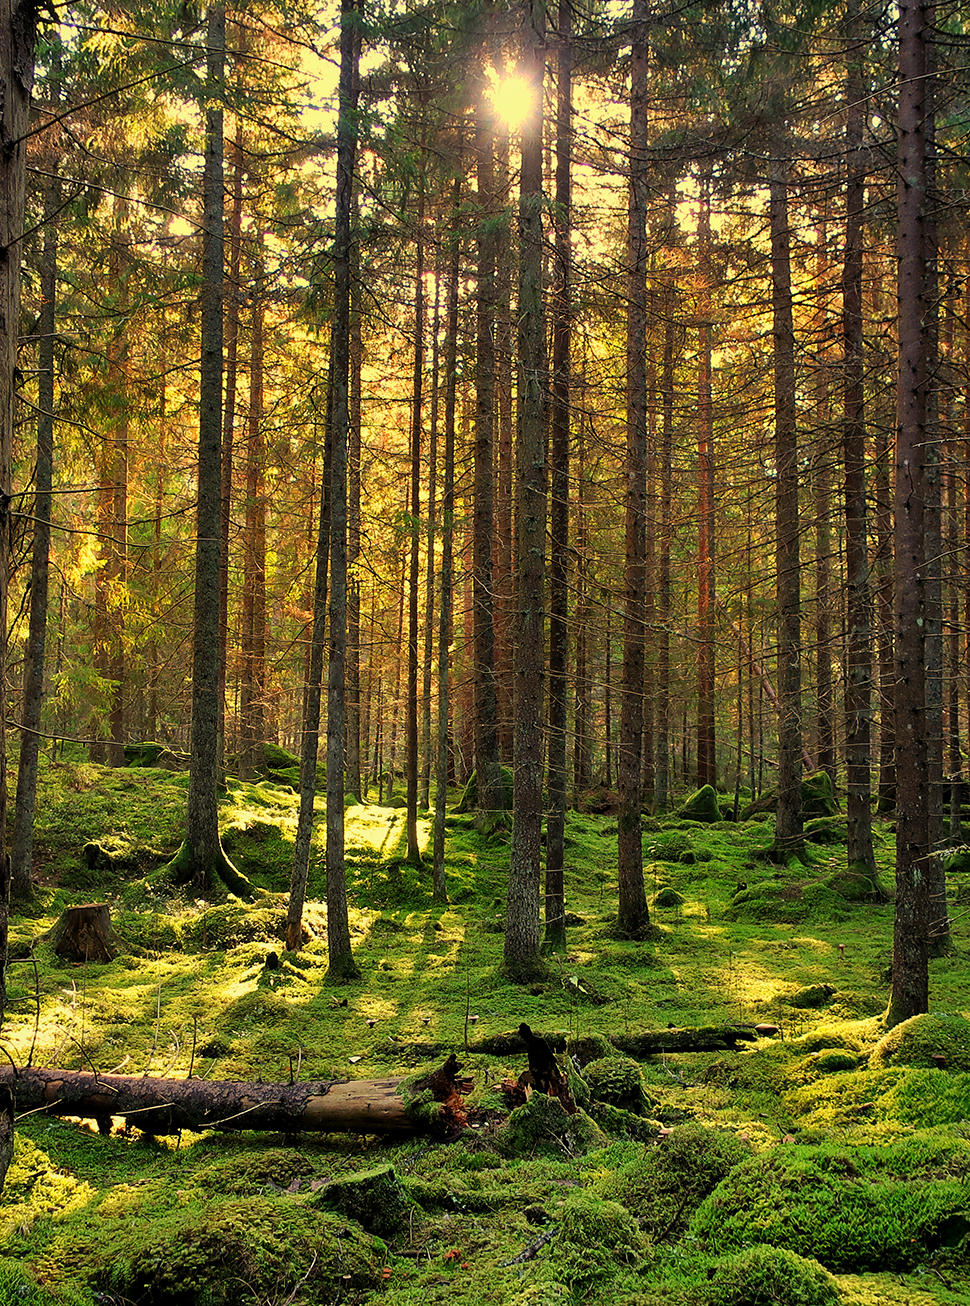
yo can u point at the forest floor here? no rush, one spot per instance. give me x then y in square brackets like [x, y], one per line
[827, 1163]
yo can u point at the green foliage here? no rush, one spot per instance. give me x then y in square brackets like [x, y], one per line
[375, 1198]
[771, 1276]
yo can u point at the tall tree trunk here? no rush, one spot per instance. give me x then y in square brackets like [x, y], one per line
[252, 687]
[858, 685]
[427, 754]
[231, 349]
[491, 787]
[706, 648]
[503, 576]
[555, 928]
[633, 917]
[440, 887]
[414, 552]
[341, 960]
[788, 825]
[662, 715]
[522, 919]
[910, 970]
[17, 34]
[201, 856]
[22, 840]
[353, 767]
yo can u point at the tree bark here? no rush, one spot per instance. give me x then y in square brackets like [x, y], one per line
[521, 952]
[910, 969]
[22, 841]
[555, 908]
[164, 1106]
[201, 857]
[858, 689]
[18, 23]
[706, 647]
[341, 960]
[633, 915]
[788, 826]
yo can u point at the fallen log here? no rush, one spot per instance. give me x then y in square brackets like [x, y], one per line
[703, 1038]
[399, 1107]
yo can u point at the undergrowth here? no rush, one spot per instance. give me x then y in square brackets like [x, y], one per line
[816, 1158]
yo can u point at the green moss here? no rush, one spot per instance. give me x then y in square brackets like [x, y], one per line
[375, 1198]
[619, 1082]
[771, 1276]
[818, 795]
[588, 1047]
[915, 1042]
[595, 1236]
[667, 1182]
[543, 1128]
[258, 1169]
[701, 806]
[853, 1209]
[667, 897]
[36, 1188]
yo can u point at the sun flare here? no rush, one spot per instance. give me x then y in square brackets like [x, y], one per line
[514, 98]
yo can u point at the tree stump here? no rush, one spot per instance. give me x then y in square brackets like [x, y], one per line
[84, 933]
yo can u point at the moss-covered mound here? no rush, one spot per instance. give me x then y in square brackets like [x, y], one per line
[665, 1184]
[853, 1210]
[701, 806]
[771, 1276]
[375, 1198]
[167, 1248]
[619, 1082]
[818, 795]
[595, 1236]
[543, 1128]
[469, 797]
[924, 1039]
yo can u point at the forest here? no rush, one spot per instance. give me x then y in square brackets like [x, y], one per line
[484, 498]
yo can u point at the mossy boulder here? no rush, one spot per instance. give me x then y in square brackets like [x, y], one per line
[618, 1081]
[157, 1245]
[919, 1041]
[665, 1184]
[469, 797]
[589, 1047]
[595, 1236]
[543, 1128]
[818, 796]
[856, 886]
[667, 897]
[375, 1198]
[811, 998]
[150, 753]
[701, 806]
[771, 1276]
[852, 1209]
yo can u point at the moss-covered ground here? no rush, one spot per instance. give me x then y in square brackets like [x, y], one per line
[827, 1162]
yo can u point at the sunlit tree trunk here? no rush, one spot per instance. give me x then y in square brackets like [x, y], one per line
[414, 550]
[22, 840]
[706, 647]
[910, 970]
[788, 827]
[252, 689]
[341, 961]
[522, 917]
[633, 917]
[858, 686]
[555, 929]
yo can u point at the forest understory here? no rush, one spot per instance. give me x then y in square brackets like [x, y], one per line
[820, 1160]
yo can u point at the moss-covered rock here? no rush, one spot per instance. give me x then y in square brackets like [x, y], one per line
[771, 1276]
[588, 1047]
[818, 795]
[469, 796]
[810, 998]
[375, 1198]
[543, 1128]
[619, 1081]
[595, 1236]
[665, 1184]
[158, 1245]
[852, 1209]
[918, 1041]
[667, 897]
[701, 806]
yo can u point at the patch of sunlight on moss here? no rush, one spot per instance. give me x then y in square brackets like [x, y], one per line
[891, 1290]
[36, 1188]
